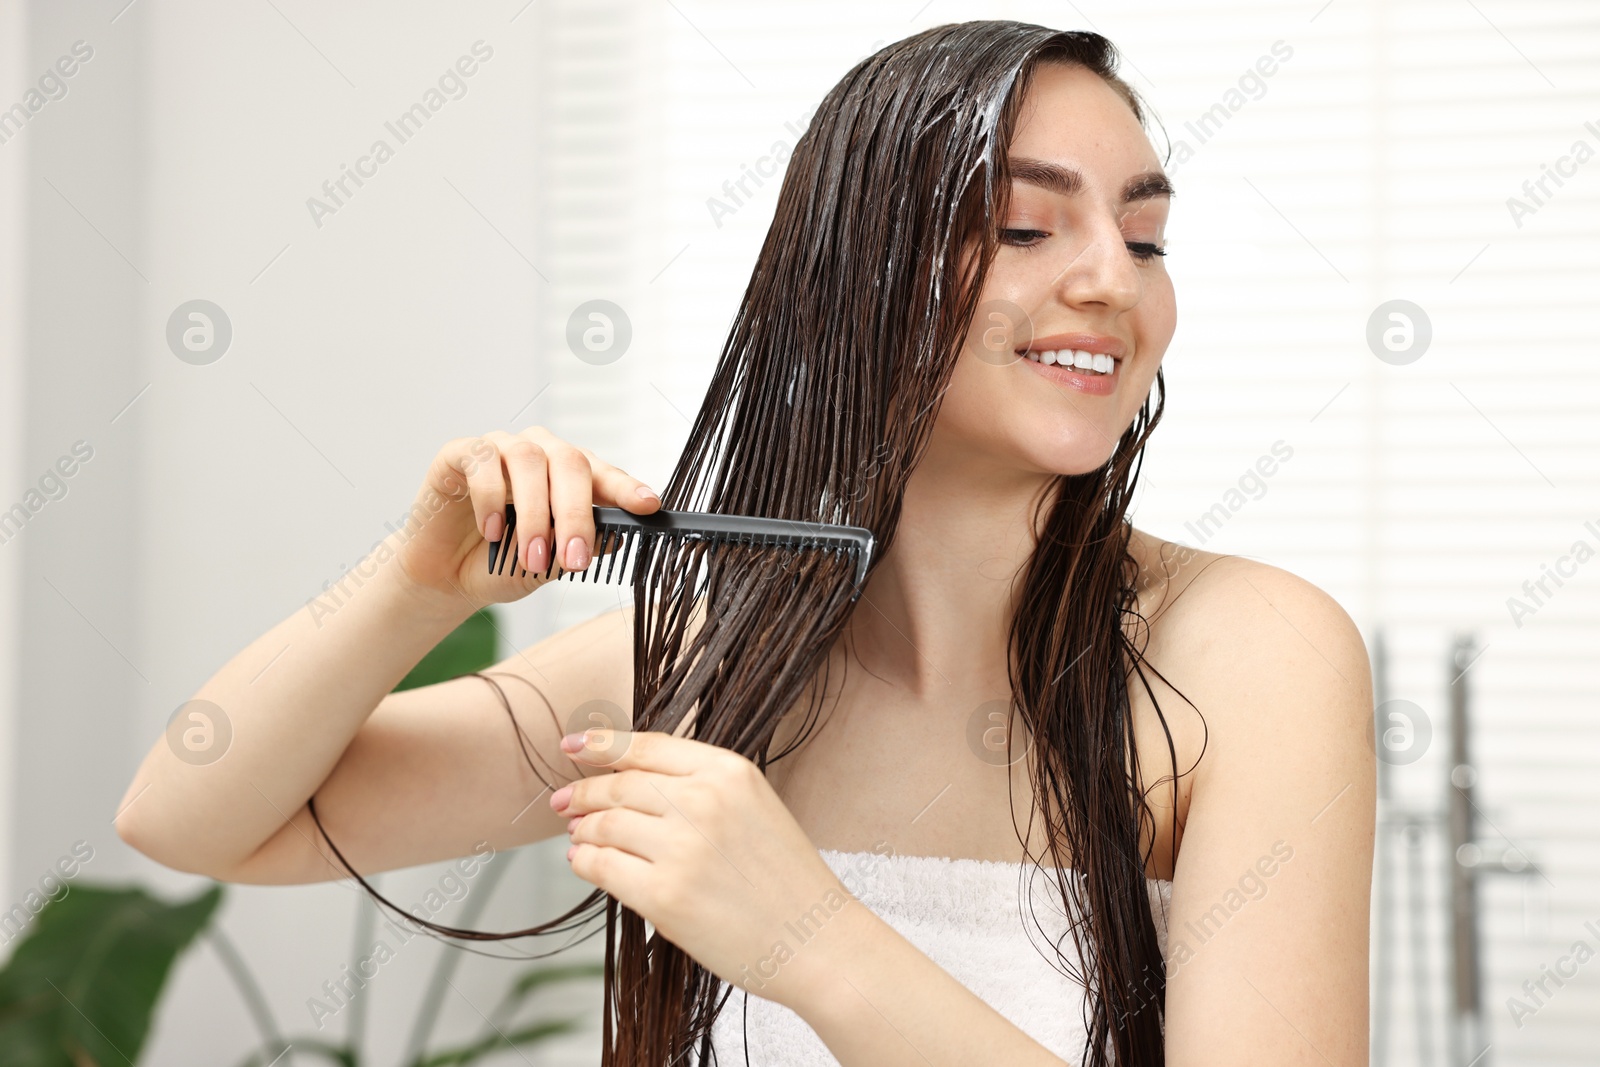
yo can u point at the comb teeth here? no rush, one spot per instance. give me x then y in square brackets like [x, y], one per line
[620, 531]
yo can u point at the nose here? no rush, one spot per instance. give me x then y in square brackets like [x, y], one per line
[1101, 272]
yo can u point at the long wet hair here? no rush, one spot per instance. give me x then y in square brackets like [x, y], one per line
[819, 410]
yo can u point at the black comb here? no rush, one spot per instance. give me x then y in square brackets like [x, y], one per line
[622, 530]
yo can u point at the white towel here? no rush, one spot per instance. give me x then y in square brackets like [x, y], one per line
[965, 915]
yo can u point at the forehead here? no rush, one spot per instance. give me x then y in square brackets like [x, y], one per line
[1071, 115]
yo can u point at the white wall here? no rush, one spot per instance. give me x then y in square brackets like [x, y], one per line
[226, 495]
[76, 173]
[419, 311]
[13, 195]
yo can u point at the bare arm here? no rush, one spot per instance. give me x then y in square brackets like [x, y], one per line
[1268, 943]
[400, 778]
[292, 701]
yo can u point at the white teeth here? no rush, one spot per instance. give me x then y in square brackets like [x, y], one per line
[1076, 358]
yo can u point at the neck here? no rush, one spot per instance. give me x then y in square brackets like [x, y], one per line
[934, 617]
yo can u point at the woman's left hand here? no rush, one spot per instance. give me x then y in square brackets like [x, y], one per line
[694, 838]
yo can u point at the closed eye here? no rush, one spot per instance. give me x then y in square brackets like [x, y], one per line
[1022, 238]
[1143, 251]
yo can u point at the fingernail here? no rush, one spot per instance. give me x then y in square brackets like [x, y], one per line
[572, 824]
[574, 742]
[647, 492]
[537, 555]
[577, 554]
[561, 798]
[570, 851]
[494, 526]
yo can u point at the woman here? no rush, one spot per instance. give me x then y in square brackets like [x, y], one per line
[953, 336]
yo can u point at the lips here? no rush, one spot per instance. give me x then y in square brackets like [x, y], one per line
[1087, 353]
[1057, 358]
[1083, 381]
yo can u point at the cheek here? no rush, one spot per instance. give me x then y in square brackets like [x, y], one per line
[1155, 322]
[1157, 314]
[971, 389]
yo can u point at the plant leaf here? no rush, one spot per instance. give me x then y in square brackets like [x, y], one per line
[82, 986]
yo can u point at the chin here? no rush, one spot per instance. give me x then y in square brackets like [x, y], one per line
[1078, 449]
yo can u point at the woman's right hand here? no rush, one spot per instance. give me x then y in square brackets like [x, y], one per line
[444, 547]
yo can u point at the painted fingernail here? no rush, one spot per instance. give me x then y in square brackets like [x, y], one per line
[577, 554]
[561, 798]
[572, 743]
[537, 555]
[494, 526]
[647, 493]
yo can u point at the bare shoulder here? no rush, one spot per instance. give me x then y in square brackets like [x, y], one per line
[1277, 822]
[1261, 651]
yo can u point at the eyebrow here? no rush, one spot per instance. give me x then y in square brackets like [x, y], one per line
[1069, 182]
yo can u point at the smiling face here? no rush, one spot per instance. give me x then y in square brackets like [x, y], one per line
[1077, 285]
